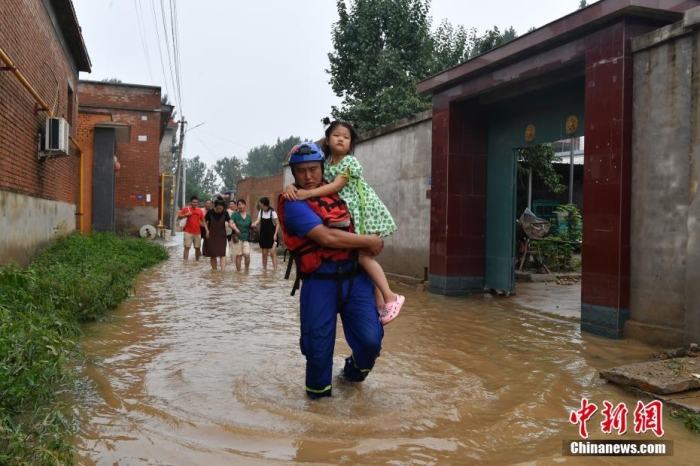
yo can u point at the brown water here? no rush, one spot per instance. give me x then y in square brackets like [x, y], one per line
[204, 368]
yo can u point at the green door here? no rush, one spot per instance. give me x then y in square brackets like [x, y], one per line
[501, 169]
[547, 111]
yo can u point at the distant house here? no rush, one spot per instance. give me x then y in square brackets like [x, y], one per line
[41, 51]
[121, 130]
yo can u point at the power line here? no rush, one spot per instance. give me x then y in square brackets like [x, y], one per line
[227, 140]
[175, 29]
[176, 81]
[160, 53]
[144, 43]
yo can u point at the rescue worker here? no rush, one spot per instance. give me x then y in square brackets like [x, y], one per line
[318, 233]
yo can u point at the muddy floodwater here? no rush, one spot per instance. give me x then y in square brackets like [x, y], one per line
[204, 368]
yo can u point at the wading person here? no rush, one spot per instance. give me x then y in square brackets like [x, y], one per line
[318, 231]
[343, 174]
[241, 228]
[229, 231]
[195, 221]
[268, 225]
[203, 231]
[216, 221]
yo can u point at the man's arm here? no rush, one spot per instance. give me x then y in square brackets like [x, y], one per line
[341, 239]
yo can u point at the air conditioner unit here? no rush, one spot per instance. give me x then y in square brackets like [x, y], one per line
[56, 136]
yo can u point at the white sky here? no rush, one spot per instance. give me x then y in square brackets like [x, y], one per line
[254, 71]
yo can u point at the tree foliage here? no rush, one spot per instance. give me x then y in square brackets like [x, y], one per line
[200, 181]
[383, 48]
[540, 158]
[267, 160]
[582, 4]
[230, 170]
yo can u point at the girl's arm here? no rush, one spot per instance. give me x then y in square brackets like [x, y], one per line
[325, 190]
[290, 192]
[255, 223]
[277, 228]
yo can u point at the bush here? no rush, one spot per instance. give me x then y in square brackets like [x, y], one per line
[557, 250]
[78, 278]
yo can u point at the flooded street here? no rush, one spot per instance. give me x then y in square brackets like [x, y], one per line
[204, 368]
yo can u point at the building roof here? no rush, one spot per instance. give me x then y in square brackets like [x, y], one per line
[573, 25]
[68, 21]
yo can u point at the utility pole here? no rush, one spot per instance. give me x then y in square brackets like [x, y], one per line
[177, 178]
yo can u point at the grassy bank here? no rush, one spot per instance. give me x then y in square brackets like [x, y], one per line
[77, 279]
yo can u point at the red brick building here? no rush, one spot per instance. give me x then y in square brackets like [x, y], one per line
[126, 121]
[252, 189]
[41, 51]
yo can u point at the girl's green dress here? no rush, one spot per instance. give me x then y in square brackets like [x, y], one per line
[368, 212]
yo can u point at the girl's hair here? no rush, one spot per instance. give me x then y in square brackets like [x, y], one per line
[240, 201]
[265, 201]
[346, 124]
[219, 202]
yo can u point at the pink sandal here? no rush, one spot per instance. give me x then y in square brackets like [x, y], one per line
[391, 310]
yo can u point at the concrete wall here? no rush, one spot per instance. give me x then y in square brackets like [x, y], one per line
[29, 223]
[665, 238]
[396, 162]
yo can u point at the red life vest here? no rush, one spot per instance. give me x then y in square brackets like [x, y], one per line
[307, 253]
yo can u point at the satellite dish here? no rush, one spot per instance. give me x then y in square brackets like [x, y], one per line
[148, 231]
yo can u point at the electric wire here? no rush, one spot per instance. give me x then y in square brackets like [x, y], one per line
[162, 62]
[144, 42]
[175, 81]
[174, 27]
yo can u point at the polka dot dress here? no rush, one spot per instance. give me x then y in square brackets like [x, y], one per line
[368, 212]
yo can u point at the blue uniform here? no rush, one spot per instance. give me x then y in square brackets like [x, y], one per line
[322, 299]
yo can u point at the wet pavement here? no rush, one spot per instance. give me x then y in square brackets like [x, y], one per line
[204, 367]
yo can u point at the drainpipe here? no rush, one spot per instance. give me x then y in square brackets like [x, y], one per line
[42, 105]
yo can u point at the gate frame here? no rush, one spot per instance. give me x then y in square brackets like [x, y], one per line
[597, 37]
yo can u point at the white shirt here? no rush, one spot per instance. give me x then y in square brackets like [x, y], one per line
[269, 214]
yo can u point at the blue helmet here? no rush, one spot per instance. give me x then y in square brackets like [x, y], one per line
[306, 152]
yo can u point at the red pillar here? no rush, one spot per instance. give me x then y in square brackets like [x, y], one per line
[458, 198]
[607, 182]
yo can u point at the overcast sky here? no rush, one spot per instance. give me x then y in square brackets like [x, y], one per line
[252, 71]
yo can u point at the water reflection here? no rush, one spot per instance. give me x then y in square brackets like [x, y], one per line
[204, 367]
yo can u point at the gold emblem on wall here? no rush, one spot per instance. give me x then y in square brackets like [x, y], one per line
[571, 124]
[530, 133]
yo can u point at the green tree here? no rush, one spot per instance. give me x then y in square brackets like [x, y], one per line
[582, 4]
[540, 157]
[491, 39]
[267, 160]
[112, 80]
[200, 180]
[230, 170]
[383, 48]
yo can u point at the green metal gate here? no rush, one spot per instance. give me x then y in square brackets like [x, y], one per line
[543, 114]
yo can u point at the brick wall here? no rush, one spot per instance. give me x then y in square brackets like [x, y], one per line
[29, 38]
[139, 175]
[252, 189]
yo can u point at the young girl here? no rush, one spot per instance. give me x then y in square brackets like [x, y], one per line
[343, 174]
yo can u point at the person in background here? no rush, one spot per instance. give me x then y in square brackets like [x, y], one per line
[195, 221]
[241, 228]
[203, 231]
[215, 245]
[229, 231]
[268, 225]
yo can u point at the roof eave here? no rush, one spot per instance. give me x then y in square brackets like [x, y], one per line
[561, 30]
